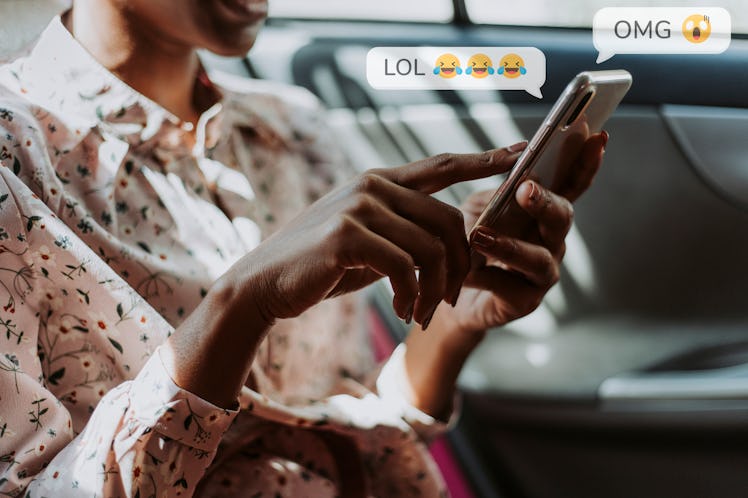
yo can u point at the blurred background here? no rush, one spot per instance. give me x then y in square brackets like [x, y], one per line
[568, 13]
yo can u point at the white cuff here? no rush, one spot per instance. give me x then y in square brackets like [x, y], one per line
[394, 388]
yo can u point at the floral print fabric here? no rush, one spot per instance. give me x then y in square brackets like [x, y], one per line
[115, 218]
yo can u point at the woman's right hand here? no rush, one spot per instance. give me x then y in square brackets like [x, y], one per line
[383, 223]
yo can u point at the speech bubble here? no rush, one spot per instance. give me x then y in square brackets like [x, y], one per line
[476, 68]
[660, 30]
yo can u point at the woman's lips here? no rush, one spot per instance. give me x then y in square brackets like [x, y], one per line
[245, 10]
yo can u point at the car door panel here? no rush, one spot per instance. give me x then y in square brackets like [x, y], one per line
[713, 140]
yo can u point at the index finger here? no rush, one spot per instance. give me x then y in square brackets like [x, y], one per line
[438, 172]
[553, 213]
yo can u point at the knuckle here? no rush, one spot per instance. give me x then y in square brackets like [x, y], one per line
[437, 249]
[509, 247]
[454, 223]
[379, 172]
[529, 305]
[456, 217]
[535, 303]
[512, 246]
[406, 261]
[554, 276]
[488, 157]
[444, 159]
[434, 264]
[367, 182]
[568, 213]
[550, 269]
[341, 226]
[547, 259]
[363, 204]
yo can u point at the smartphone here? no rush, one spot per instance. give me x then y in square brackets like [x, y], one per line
[581, 110]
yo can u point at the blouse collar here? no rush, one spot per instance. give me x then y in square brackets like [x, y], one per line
[62, 76]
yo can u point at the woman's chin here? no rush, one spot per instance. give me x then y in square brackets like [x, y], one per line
[236, 45]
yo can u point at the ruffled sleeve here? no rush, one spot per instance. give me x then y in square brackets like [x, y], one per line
[72, 336]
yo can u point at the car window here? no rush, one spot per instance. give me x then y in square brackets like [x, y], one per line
[389, 10]
[579, 13]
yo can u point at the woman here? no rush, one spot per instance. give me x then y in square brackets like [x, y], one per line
[177, 261]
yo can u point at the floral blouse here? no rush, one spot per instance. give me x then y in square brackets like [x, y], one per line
[114, 222]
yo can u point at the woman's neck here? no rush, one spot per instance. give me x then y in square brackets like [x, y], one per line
[161, 69]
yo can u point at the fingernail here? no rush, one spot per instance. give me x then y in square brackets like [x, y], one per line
[482, 239]
[427, 320]
[606, 136]
[534, 192]
[517, 147]
[456, 296]
[409, 314]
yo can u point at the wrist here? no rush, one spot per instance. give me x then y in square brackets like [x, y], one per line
[240, 302]
[453, 336]
[225, 329]
[434, 359]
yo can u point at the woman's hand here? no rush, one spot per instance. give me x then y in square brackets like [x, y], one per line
[513, 267]
[384, 223]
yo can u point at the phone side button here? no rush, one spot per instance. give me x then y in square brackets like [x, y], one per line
[539, 137]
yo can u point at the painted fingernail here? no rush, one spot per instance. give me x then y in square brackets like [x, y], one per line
[606, 136]
[455, 297]
[534, 192]
[482, 239]
[519, 146]
[409, 314]
[427, 320]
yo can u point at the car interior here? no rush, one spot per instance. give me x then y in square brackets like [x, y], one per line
[631, 379]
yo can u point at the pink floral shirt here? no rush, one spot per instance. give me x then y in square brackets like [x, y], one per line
[112, 228]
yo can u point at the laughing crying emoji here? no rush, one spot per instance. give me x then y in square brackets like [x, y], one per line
[447, 66]
[479, 66]
[511, 66]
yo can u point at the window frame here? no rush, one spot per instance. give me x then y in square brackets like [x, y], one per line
[460, 18]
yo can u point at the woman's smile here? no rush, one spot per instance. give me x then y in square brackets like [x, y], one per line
[248, 11]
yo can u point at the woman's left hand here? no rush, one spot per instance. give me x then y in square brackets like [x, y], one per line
[516, 264]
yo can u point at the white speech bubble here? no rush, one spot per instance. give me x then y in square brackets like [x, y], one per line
[418, 68]
[660, 30]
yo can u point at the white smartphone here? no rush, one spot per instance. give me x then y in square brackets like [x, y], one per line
[581, 110]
